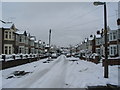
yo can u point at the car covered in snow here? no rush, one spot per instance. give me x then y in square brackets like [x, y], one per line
[54, 55]
[68, 55]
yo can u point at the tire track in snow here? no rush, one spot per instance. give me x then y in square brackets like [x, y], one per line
[37, 76]
[55, 78]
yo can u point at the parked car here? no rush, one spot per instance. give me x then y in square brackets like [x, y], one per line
[68, 55]
[54, 55]
[77, 55]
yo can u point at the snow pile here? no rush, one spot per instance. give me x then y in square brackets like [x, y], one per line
[82, 74]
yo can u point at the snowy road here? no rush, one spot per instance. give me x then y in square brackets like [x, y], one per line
[59, 73]
[44, 76]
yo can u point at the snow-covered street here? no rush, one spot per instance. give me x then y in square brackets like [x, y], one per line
[60, 73]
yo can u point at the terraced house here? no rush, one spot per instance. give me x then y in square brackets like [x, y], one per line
[21, 42]
[15, 41]
[7, 38]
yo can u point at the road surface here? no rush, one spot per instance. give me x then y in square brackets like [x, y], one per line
[50, 76]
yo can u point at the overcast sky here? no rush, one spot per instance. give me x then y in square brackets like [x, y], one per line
[70, 22]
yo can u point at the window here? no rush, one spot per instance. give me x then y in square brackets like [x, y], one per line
[6, 34]
[110, 36]
[6, 48]
[113, 50]
[10, 36]
[21, 49]
[114, 35]
[20, 39]
[13, 35]
[10, 49]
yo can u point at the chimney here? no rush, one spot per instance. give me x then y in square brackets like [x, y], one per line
[118, 21]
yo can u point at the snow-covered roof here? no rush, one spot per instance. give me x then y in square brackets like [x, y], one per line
[32, 38]
[40, 42]
[7, 25]
[98, 36]
[86, 40]
[20, 32]
[47, 46]
[36, 41]
[91, 38]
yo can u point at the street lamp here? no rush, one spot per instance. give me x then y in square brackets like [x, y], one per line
[105, 34]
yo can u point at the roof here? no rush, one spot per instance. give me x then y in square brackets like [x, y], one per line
[90, 38]
[36, 41]
[7, 25]
[86, 39]
[20, 32]
[47, 46]
[98, 36]
[32, 38]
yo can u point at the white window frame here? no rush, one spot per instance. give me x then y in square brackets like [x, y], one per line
[22, 49]
[9, 48]
[112, 51]
[9, 35]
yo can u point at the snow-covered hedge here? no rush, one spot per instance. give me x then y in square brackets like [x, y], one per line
[16, 56]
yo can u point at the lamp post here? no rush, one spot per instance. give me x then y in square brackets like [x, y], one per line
[105, 34]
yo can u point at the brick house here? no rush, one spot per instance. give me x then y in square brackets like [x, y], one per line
[98, 42]
[113, 47]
